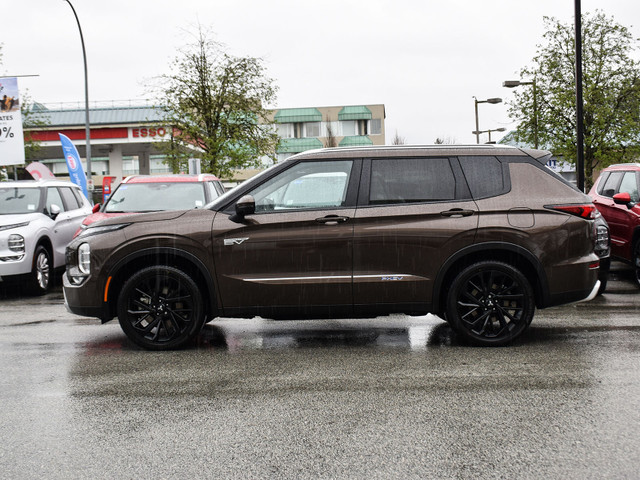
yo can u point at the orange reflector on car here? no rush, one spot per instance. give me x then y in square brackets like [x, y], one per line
[106, 289]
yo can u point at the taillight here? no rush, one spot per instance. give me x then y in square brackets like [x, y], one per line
[586, 211]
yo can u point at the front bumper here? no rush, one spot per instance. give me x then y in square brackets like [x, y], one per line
[77, 300]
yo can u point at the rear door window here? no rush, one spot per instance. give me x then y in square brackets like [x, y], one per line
[411, 180]
[69, 198]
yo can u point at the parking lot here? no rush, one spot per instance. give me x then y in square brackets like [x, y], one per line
[396, 397]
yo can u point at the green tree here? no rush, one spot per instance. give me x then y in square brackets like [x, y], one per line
[34, 117]
[611, 90]
[215, 103]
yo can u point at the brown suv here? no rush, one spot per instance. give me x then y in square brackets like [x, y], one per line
[478, 235]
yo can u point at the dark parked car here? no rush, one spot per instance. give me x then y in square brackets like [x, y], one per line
[616, 195]
[478, 235]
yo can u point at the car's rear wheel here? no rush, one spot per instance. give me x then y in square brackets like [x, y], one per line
[490, 303]
[40, 276]
[160, 308]
[636, 262]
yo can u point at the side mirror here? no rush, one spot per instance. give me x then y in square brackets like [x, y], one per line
[55, 210]
[96, 208]
[246, 206]
[623, 198]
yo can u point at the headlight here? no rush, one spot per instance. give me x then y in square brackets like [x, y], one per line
[84, 258]
[98, 229]
[78, 263]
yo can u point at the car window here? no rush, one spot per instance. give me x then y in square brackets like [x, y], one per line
[218, 187]
[484, 176]
[54, 198]
[79, 196]
[629, 185]
[411, 180]
[14, 200]
[155, 196]
[610, 186]
[69, 198]
[602, 181]
[307, 185]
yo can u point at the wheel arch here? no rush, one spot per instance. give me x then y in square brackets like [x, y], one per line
[510, 253]
[178, 258]
[45, 242]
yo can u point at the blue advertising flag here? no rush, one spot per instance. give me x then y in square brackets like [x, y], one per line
[74, 164]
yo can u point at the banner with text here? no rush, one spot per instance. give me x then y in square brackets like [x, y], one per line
[11, 137]
[74, 165]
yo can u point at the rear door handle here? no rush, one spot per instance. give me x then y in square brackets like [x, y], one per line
[457, 212]
[332, 219]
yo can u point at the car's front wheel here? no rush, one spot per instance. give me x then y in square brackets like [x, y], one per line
[160, 308]
[40, 276]
[636, 262]
[490, 303]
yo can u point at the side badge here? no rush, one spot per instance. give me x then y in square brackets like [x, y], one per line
[234, 241]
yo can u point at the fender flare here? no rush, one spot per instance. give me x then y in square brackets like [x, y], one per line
[170, 252]
[501, 247]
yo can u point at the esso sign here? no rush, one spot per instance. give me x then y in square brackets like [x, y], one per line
[72, 162]
[150, 132]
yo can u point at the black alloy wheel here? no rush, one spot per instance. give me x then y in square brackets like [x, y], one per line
[490, 303]
[40, 276]
[160, 308]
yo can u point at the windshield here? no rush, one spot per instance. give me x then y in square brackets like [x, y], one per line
[15, 200]
[152, 197]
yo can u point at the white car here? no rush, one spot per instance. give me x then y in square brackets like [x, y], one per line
[37, 221]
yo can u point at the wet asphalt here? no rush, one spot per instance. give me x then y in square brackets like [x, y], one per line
[391, 397]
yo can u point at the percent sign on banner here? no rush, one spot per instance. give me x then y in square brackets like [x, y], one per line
[11, 137]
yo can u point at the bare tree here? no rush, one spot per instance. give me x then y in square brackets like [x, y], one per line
[398, 140]
[330, 140]
[445, 141]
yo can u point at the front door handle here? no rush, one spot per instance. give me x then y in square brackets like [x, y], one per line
[457, 212]
[332, 219]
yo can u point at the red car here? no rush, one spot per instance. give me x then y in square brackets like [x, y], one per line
[154, 193]
[616, 195]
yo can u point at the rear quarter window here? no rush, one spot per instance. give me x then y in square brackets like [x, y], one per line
[485, 176]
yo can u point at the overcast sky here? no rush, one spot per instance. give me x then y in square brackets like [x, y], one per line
[424, 60]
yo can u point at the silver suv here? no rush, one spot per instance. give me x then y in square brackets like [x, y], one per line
[37, 221]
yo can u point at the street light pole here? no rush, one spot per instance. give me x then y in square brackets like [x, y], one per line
[517, 83]
[579, 100]
[87, 125]
[476, 101]
[478, 132]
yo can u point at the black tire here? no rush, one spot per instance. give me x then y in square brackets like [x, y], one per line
[41, 274]
[636, 262]
[490, 303]
[160, 308]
